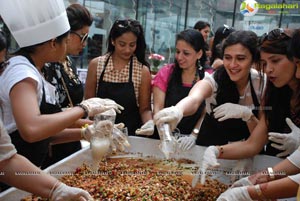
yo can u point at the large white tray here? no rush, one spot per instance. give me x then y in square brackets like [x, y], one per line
[147, 147]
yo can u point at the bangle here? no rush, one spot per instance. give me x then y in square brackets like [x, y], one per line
[86, 112]
[271, 173]
[221, 150]
[82, 131]
[259, 192]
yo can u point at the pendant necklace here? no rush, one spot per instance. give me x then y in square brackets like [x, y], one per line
[245, 92]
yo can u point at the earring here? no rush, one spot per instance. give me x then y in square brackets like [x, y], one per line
[199, 64]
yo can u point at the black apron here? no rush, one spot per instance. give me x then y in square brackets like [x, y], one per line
[38, 152]
[187, 124]
[75, 90]
[35, 152]
[213, 132]
[286, 130]
[123, 94]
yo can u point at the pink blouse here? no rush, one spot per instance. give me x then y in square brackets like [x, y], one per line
[161, 79]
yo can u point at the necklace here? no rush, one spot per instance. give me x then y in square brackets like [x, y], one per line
[69, 71]
[245, 92]
[195, 78]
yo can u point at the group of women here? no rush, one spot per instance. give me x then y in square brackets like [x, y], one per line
[245, 115]
[235, 111]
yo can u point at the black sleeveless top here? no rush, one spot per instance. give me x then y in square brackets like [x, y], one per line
[213, 132]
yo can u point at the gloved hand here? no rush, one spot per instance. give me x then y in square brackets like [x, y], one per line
[94, 106]
[209, 160]
[294, 158]
[64, 193]
[242, 182]
[235, 194]
[243, 166]
[119, 140]
[171, 115]
[102, 128]
[288, 143]
[146, 129]
[210, 157]
[187, 142]
[232, 111]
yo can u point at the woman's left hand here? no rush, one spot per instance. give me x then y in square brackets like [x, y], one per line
[232, 111]
[146, 129]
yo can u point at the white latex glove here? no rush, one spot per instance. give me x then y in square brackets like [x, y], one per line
[209, 161]
[87, 132]
[64, 193]
[295, 178]
[187, 142]
[171, 115]
[235, 194]
[294, 158]
[119, 140]
[242, 167]
[98, 105]
[242, 182]
[232, 111]
[102, 128]
[146, 129]
[210, 157]
[288, 143]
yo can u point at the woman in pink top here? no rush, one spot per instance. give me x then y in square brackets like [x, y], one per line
[174, 81]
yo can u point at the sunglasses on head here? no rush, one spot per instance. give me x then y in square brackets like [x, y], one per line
[127, 24]
[226, 27]
[123, 23]
[83, 38]
[275, 34]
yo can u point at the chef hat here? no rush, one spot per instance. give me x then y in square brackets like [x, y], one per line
[34, 21]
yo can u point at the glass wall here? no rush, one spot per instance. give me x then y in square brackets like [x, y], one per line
[162, 19]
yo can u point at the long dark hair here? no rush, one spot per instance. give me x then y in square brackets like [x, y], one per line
[195, 39]
[199, 25]
[78, 16]
[129, 25]
[227, 90]
[278, 99]
[221, 33]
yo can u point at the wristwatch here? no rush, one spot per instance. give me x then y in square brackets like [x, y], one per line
[195, 131]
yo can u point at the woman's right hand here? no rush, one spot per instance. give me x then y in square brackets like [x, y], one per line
[95, 106]
[170, 115]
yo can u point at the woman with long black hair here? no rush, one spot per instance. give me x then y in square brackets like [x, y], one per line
[230, 94]
[174, 81]
[283, 99]
[123, 75]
